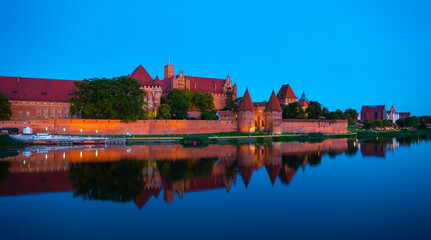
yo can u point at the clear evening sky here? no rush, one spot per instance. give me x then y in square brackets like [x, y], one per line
[344, 53]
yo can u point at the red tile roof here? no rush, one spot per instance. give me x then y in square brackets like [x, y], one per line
[37, 89]
[273, 104]
[227, 115]
[286, 92]
[141, 75]
[303, 103]
[374, 108]
[246, 104]
[213, 85]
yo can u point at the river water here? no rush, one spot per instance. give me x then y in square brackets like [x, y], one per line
[334, 189]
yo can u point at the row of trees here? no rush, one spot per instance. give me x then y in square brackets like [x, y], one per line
[178, 102]
[314, 111]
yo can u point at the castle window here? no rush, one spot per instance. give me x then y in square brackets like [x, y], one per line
[65, 113]
[28, 114]
[39, 112]
[45, 112]
[59, 112]
[52, 112]
[19, 114]
[44, 91]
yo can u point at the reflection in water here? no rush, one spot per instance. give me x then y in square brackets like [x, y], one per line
[136, 173]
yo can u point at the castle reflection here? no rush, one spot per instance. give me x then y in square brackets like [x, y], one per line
[136, 173]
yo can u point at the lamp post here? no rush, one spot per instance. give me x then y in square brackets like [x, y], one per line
[64, 131]
[81, 132]
[96, 133]
[46, 130]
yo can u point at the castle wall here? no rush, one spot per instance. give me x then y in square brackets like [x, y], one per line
[33, 110]
[116, 127]
[311, 125]
[273, 122]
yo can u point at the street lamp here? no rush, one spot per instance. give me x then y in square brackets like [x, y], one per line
[81, 132]
[96, 133]
[46, 130]
[64, 131]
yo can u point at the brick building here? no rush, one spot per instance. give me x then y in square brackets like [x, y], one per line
[40, 98]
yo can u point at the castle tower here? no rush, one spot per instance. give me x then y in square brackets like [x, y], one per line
[169, 70]
[273, 115]
[246, 114]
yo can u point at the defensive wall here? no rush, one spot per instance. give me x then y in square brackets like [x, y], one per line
[116, 127]
[162, 127]
[313, 125]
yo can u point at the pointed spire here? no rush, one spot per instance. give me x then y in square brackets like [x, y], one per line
[303, 97]
[246, 104]
[273, 104]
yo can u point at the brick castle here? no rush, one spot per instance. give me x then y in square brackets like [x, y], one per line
[44, 103]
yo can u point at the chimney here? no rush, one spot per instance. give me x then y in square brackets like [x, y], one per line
[17, 78]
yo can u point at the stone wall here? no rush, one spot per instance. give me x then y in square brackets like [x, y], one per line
[311, 125]
[116, 127]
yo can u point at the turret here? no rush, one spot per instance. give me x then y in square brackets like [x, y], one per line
[246, 114]
[273, 115]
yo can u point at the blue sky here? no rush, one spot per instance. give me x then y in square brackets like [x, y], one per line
[344, 53]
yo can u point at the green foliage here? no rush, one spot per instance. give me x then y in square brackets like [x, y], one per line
[314, 110]
[208, 115]
[412, 122]
[189, 97]
[203, 101]
[163, 100]
[293, 111]
[401, 123]
[163, 111]
[351, 115]
[199, 139]
[387, 123]
[5, 111]
[378, 123]
[231, 103]
[116, 98]
[368, 124]
[120, 181]
[179, 104]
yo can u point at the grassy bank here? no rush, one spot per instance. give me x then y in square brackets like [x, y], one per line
[394, 133]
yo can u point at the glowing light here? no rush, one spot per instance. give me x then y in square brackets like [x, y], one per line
[64, 155]
[96, 153]
[23, 162]
[80, 154]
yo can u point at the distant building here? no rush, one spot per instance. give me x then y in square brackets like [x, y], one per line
[379, 112]
[373, 112]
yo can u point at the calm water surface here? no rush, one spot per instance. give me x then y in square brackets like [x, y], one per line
[335, 189]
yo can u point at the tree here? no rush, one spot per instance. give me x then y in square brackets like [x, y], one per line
[412, 122]
[179, 105]
[387, 123]
[293, 111]
[231, 103]
[189, 96]
[5, 111]
[203, 101]
[351, 115]
[378, 123]
[314, 110]
[207, 115]
[116, 98]
[401, 123]
[368, 124]
[163, 111]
